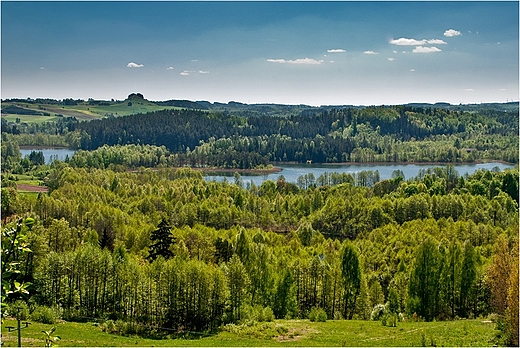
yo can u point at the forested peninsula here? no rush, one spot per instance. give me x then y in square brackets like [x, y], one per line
[129, 235]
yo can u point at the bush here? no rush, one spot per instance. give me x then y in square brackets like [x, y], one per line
[267, 314]
[45, 315]
[256, 313]
[19, 310]
[317, 314]
[378, 311]
[389, 319]
[108, 326]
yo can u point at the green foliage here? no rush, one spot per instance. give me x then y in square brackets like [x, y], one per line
[351, 274]
[162, 240]
[45, 315]
[50, 338]
[424, 280]
[15, 249]
[317, 314]
[241, 249]
[256, 313]
[18, 309]
[393, 301]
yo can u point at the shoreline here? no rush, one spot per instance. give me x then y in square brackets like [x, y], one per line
[216, 170]
[394, 163]
[43, 147]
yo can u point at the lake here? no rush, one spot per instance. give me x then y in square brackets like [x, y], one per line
[50, 154]
[291, 172]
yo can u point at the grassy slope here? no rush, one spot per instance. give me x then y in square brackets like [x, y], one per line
[296, 333]
[84, 111]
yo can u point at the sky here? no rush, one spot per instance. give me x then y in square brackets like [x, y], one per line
[312, 53]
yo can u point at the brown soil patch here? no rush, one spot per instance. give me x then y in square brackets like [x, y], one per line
[295, 334]
[31, 188]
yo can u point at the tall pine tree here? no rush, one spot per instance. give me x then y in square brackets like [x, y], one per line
[161, 239]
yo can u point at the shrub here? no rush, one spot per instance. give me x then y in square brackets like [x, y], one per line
[317, 314]
[18, 309]
[256, 313]
[108, 326]
[267, 314]
[389, 319]
[45, 315]
[377, 312]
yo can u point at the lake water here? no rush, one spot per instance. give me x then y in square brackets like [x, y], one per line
[50, 154]
[291, 172]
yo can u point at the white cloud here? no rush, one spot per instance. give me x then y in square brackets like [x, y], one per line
[303, 61]
[134, 65]
[407, 42]
[422, 49]
[42, 68]
[469, 90]
[412, 70]
[185, 73]
[436, 42]
[452, 32]
[203, 72]
[277, 61]
[370, 52]
[169, 68]
[336, 50]
[391, 59]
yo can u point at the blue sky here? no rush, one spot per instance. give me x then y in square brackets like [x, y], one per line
[315, 53]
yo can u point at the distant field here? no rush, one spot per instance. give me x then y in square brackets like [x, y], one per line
[29, 118]
[82, 111]
[279, 333]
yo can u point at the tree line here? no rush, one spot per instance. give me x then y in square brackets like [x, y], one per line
[225, 139]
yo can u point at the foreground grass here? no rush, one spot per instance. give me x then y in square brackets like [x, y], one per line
[279, 333]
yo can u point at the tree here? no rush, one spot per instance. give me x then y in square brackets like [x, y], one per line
[14, 248]
[393, 301]
[510, 185]
[512, 299]
[450, 278]
[351, 274]
[162, 239]
[468, 278]
[285, 304]
[238, 282]
[424, 280]
[498, 274]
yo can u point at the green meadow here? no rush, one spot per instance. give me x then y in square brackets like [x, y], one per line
[279, 333]
[83, 111]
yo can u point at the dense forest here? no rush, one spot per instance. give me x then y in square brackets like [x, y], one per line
[168, 249]
[122, 236]
[224, 139]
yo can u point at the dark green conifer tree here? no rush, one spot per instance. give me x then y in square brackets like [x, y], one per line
[161, 239]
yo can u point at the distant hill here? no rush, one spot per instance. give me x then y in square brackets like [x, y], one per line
[136, 103]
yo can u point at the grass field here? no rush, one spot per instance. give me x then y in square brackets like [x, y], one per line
[83, 111]
[279, 333]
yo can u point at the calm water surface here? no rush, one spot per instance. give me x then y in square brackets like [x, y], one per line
[50, 154]
[291, 172]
